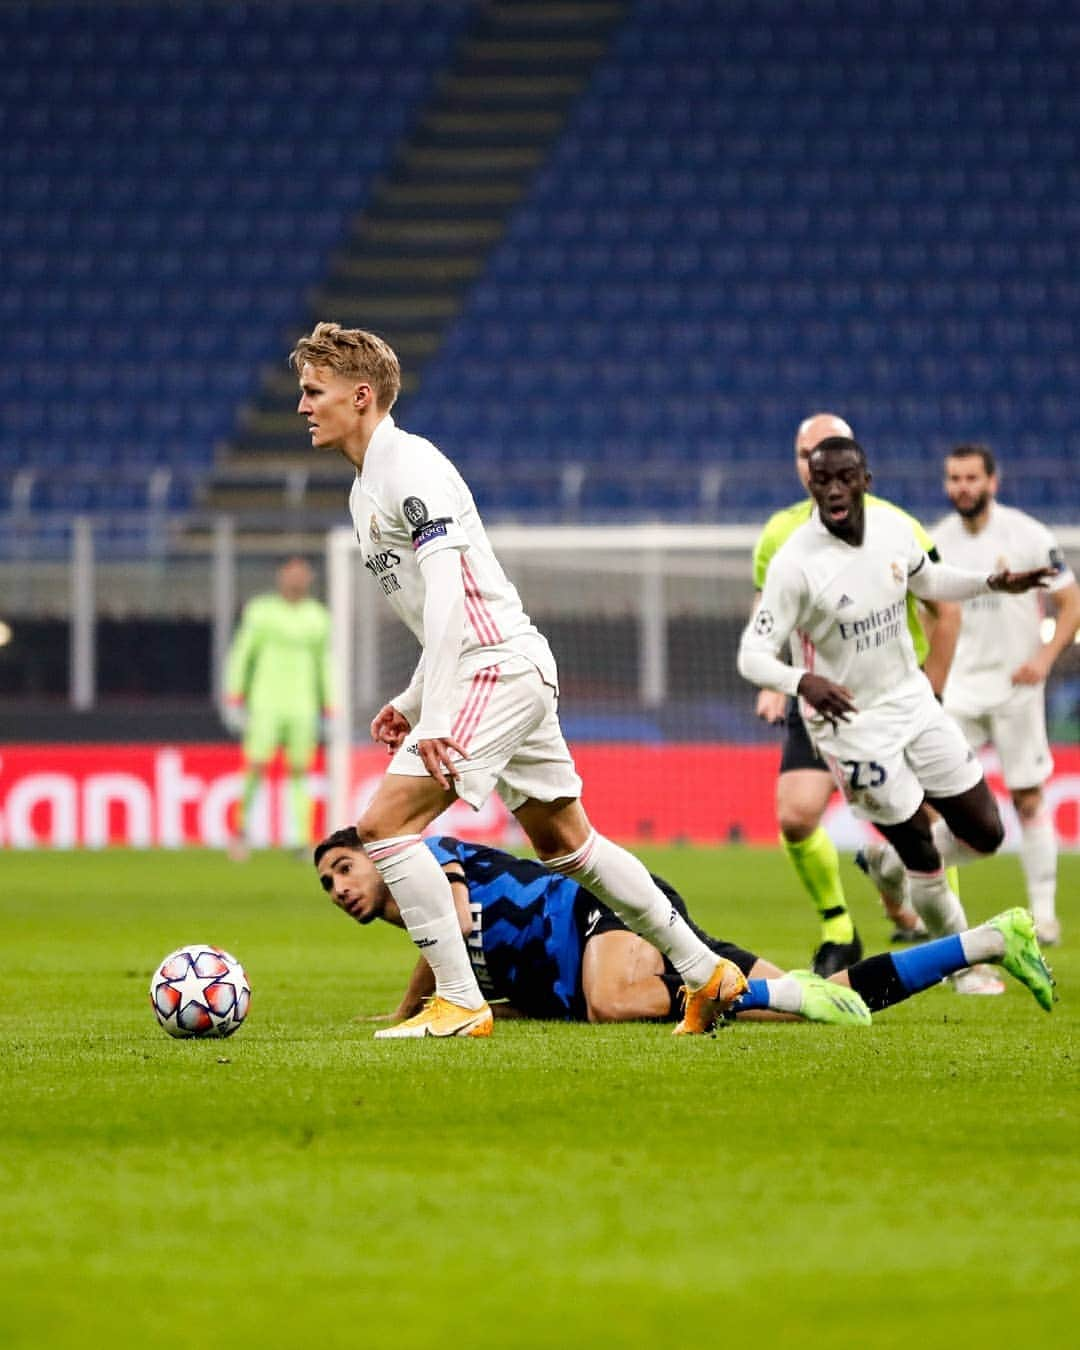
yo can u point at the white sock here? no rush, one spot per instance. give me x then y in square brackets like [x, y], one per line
[1038, 857]
[785, 994]
[982, 944]
[891, 865]
[935, 903]
[625, 886]
[419, 885]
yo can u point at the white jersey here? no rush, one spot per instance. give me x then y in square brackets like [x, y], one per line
[999, 632]
[409, 500]
[847, 604]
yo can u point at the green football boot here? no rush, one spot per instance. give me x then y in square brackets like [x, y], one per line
[823, 1001]
[1022, 958]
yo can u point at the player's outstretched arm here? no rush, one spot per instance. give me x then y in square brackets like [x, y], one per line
[942, 581]
[1016, 583]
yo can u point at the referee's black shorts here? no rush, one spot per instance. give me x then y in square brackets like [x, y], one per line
[799, 752]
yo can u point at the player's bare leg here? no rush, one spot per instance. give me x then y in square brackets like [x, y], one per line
[621, 979]
[390, 830]
[566, 842]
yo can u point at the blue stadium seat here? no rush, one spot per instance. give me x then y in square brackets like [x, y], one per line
[754, 211]
[161, 164]
[780, 208]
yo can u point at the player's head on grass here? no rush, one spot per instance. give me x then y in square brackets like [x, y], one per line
[812, 431]
[350, 879]
[349, 380]
[839, 481]
[971, 479]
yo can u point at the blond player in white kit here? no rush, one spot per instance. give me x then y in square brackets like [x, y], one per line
[840, 582]
[996, 686]
[480, 712]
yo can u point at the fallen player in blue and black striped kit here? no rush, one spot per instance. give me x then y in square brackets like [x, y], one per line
[551, 950]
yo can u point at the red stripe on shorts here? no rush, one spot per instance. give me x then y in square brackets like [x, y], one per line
[479, 696]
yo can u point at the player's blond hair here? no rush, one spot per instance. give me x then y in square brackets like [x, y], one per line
[354, 353]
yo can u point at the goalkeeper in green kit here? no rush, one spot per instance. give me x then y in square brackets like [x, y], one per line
[278, 690]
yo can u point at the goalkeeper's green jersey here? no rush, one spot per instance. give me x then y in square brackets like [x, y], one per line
[280, 657]
[784, 523]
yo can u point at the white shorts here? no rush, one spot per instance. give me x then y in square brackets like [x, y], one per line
[1018, 734]
[887, 783]
[506, 720]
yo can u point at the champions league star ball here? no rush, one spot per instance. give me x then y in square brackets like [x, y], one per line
[200, 991]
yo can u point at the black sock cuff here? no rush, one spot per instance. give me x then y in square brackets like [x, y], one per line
[876, 982]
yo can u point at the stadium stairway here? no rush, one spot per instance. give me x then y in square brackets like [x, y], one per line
[424, 235]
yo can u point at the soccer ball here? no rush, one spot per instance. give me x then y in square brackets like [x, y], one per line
[200, 991]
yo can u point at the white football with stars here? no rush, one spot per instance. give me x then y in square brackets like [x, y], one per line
[200, 991]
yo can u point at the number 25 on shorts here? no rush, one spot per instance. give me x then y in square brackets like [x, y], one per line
[863, 774]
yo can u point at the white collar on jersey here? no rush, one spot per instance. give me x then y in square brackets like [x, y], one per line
[384, 428]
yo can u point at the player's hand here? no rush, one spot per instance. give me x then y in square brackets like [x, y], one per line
[408, 1007]
[832, 701]
[1016, 583]
[1034, 671]
[389, 728]
[771, 706]
[437, 756]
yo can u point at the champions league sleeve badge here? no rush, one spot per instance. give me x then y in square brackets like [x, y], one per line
[414, 511]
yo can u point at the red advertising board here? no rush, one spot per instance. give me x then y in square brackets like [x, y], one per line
[171, 796]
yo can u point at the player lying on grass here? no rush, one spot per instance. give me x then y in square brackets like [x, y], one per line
[552, 950]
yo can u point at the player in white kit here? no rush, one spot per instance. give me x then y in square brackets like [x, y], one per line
[996, 686]
[840, 583]
[480, 712]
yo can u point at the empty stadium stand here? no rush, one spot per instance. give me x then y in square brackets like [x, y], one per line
[765, 208]
[622, 248]
[411, 256]
[176, 178]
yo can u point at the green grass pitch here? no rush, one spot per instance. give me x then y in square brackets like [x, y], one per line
[303, 1185]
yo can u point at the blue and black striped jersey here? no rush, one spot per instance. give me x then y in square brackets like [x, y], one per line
[526, 944]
